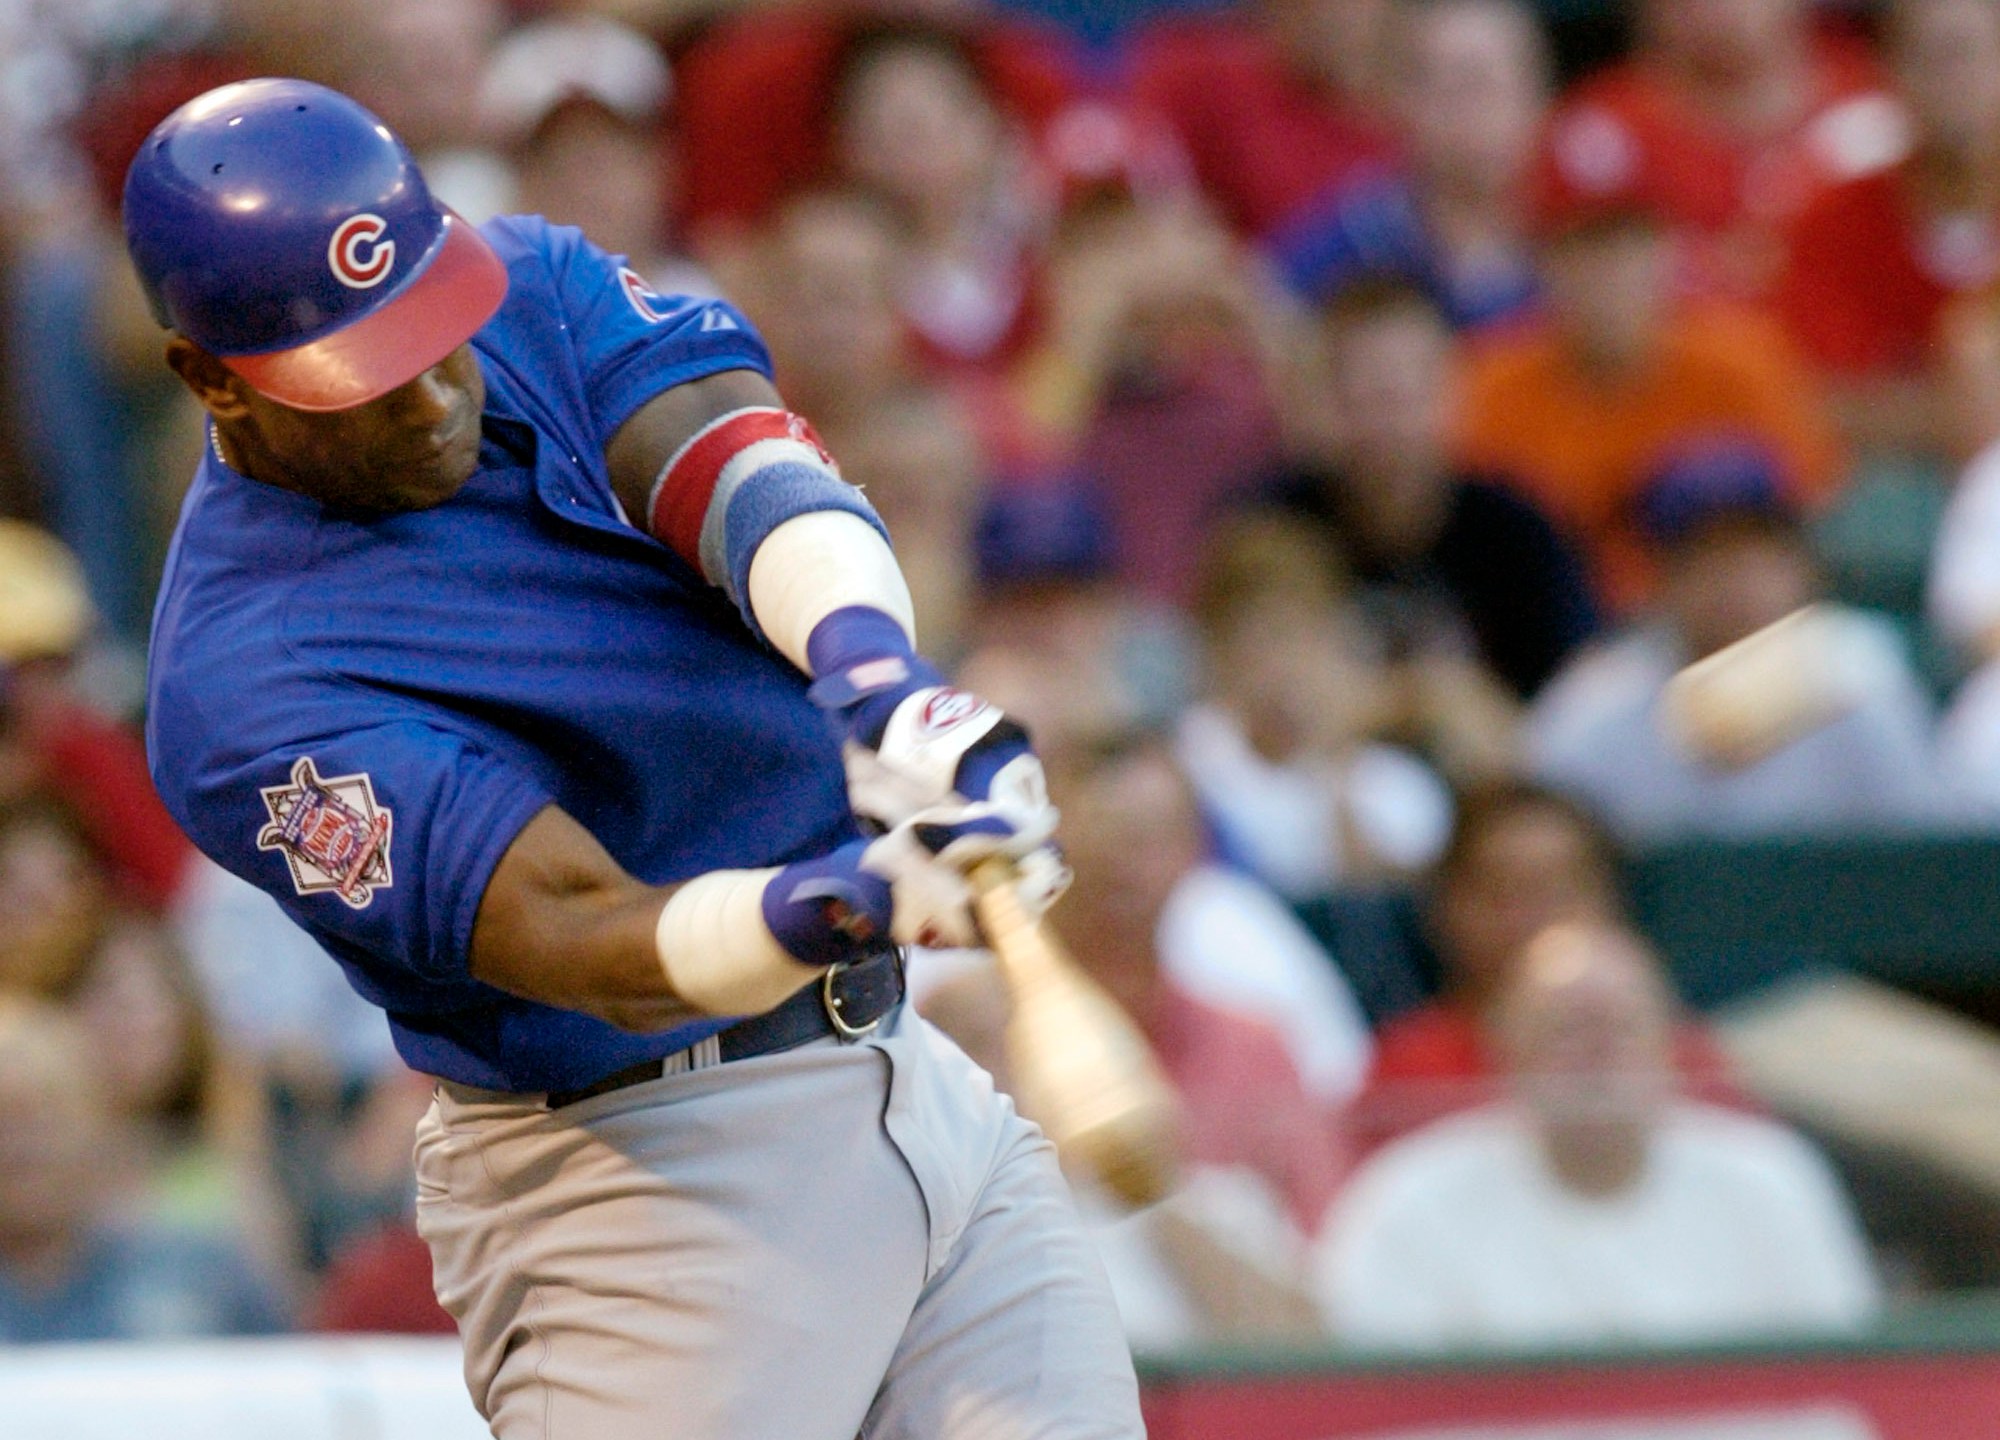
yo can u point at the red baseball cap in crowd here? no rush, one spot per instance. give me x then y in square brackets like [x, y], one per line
[1593, 170]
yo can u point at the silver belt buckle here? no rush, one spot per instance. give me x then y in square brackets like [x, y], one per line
[830, 1003]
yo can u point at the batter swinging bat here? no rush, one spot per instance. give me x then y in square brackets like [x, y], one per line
[1080, 1067]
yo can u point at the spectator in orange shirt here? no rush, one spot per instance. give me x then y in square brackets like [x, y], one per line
[1750, 111]
[1873, 265]
[1521, 859]
[1581, 407]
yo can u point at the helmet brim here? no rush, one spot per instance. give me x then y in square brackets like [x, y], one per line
[437, 312]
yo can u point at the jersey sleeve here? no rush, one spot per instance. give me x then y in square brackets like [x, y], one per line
[378, 841]
[631, 341]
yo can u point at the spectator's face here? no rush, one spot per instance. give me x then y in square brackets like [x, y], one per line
[1472, 93]
[587, 167]
[1131, 832]
[138, 1017]
[832, 321]
[1391, 378]
[1586, 1026]
[417, 64]
[1947, 57]
[1338, 42]
[921, 470]
[1725, 38]
[1530, 869]
[1303, 677]
[1067, 701]
[1608, 287]
[919, 466]
[1724, 585]
[916, 127]
[51, 896]
[53, 1162]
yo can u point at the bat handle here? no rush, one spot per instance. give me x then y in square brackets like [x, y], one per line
[1003, 921]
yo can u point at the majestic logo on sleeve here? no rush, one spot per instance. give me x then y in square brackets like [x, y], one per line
[331, 833]
[360, 257]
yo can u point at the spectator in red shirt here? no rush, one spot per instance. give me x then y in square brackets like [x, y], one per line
[1520, 860]
[1279, 107]
[753, 94]
[54, 744]
[1750, 111]
[915, 123]
[1873, 265]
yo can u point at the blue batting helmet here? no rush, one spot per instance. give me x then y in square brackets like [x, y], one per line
[285, 230]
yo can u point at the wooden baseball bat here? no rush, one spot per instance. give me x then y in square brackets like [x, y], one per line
[1080, 1067]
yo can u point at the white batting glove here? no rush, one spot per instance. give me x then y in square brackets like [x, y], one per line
[914, 748]
[927, 866]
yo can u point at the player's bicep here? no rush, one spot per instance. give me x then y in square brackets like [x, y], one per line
[656, 432]
[562, 923]
[712, 469]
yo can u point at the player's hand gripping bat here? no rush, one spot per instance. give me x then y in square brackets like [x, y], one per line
[1080, 1067]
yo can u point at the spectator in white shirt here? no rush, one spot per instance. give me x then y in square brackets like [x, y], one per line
[1282, 750]
[1964, 605]
[1593, 1206]
[1601, 731]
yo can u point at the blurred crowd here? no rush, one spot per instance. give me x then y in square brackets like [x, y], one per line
[1334, 426]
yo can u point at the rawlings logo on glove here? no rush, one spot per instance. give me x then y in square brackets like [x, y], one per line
[946, 710]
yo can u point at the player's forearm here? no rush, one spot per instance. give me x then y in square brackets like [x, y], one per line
[563, 924]
[815, 565]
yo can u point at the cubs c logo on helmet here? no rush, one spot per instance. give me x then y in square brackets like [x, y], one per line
[359, 256]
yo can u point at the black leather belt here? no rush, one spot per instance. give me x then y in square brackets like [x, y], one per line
[848, 1001]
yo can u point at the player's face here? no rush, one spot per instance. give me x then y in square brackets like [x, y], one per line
[410, 449]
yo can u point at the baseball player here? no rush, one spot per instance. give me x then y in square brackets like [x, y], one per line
[524, 646]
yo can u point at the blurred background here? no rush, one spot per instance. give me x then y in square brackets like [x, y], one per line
[1332, 425]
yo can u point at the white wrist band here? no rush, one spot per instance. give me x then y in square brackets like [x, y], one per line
[716, 950]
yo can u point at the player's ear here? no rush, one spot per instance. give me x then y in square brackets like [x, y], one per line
[220, 391]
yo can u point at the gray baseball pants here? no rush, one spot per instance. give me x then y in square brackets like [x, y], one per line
[840, 1240]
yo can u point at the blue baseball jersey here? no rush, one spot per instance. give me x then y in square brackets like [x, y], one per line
[359, 712]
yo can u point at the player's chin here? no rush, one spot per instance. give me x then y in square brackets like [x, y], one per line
[426, 486]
